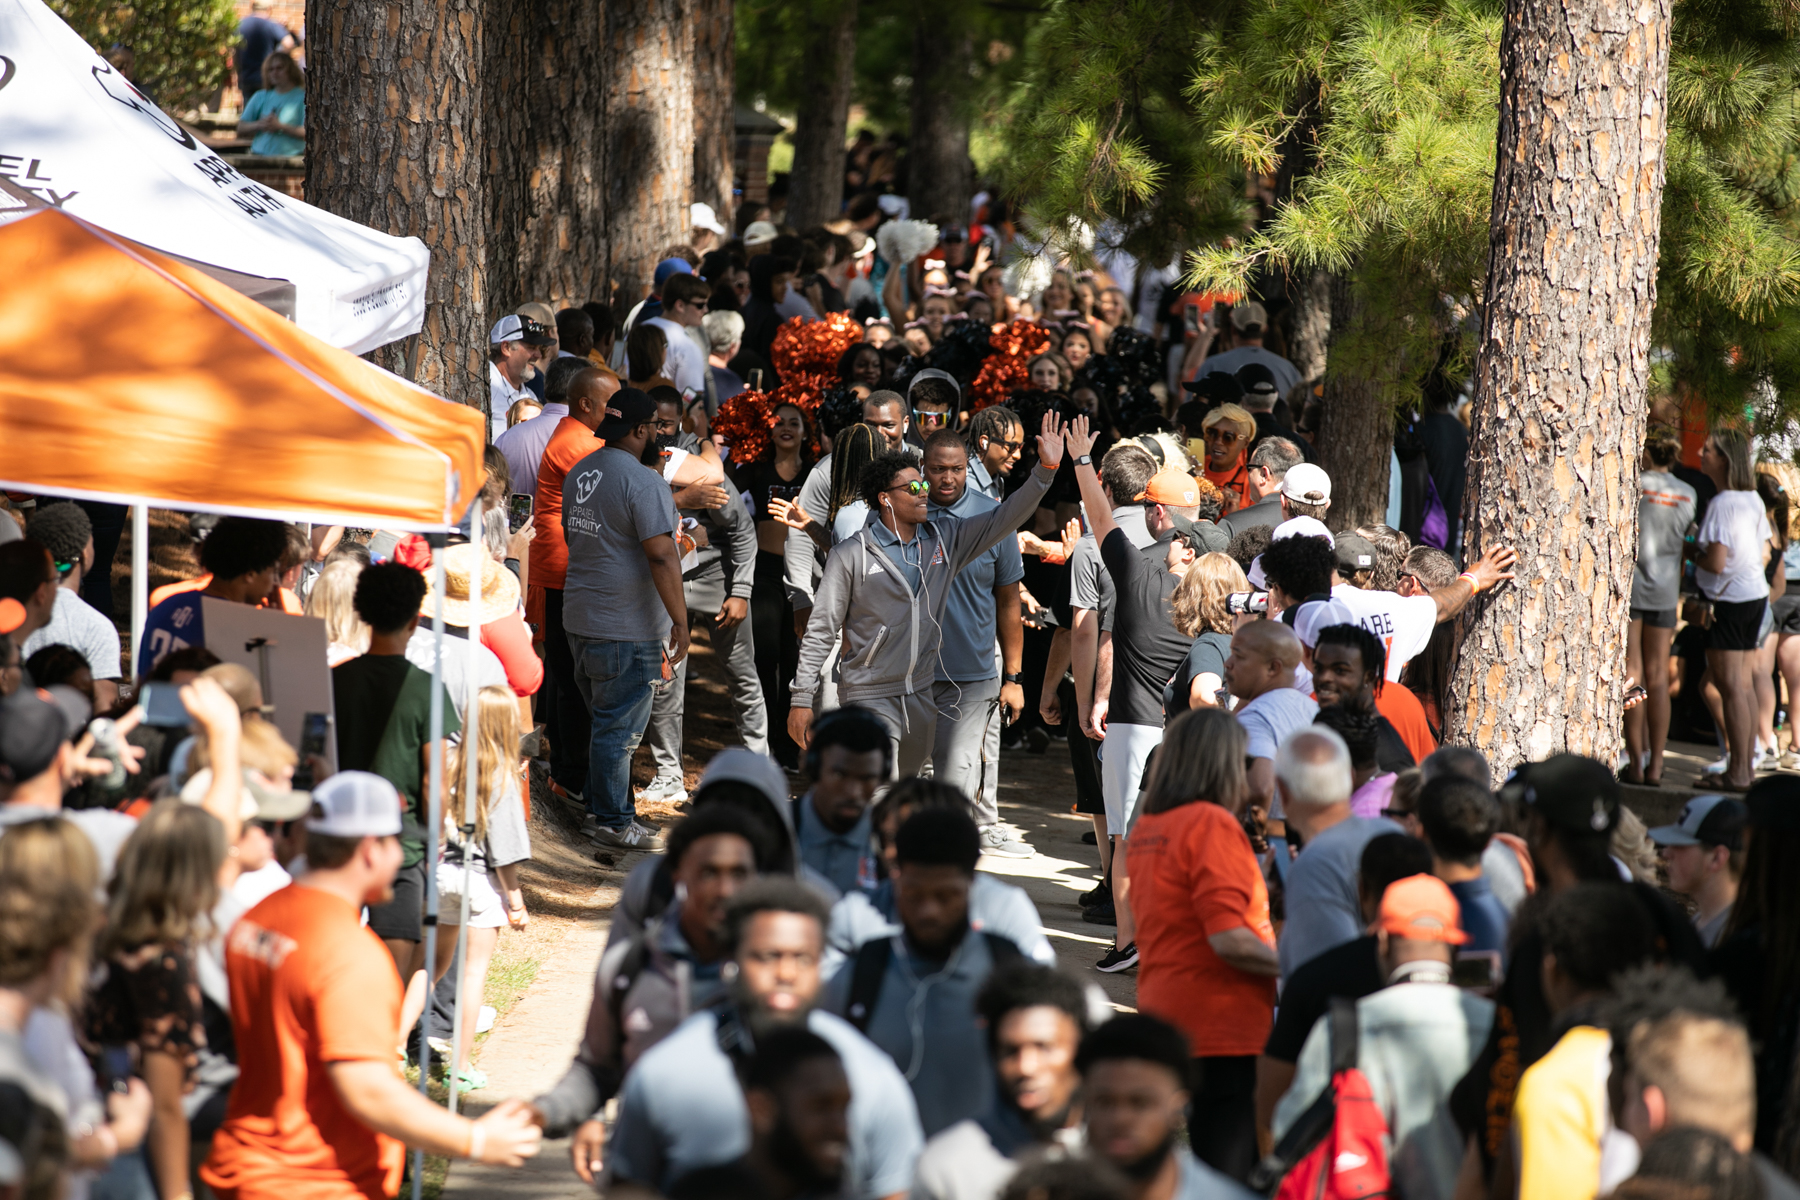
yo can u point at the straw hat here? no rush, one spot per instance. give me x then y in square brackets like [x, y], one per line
[499, 586]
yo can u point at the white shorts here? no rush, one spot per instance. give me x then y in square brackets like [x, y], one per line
[487, 907]
[1122, 758]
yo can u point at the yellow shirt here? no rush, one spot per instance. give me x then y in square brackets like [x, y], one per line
[1561, 1116]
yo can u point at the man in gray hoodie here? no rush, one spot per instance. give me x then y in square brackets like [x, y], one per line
[884, 591]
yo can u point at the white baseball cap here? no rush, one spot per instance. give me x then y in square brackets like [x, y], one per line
[760, 233]
[702, 216]
[1302, 527]
[1306, 483]
[355, 804]
[1315, 615]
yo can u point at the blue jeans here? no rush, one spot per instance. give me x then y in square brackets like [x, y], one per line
[617, 681]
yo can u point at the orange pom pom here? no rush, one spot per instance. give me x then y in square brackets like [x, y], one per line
[814, 347]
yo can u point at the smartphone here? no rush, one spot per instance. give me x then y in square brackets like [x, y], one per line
[163, 707]
[313, 729]
[115, 1066]
[1476, 971]
[518, 511]
[1190, 317]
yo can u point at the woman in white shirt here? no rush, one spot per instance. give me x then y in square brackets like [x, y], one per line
[1730, 551]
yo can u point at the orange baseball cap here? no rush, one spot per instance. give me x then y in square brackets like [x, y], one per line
[1422, 908]
[12, 615]
[1170, 486]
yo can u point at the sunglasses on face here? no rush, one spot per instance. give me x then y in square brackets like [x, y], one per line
[1222, 435]
[929, 418]
[915, 487]
[1009, 447]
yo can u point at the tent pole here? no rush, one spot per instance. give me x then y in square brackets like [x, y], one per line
[140, 576]
[433, 818]
[471, 781]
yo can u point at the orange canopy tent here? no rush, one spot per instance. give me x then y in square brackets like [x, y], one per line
[128, 377]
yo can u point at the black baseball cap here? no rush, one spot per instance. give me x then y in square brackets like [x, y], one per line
[1354, 552]
[1706, 821]
[1217, 387]
[1576, 794]
[625, 411]
[34, 724]
[1255, 378]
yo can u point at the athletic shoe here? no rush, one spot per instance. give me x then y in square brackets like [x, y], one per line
[1090, 838]
[1101, 891]
[632, 837]
[666, 789]
[1037, 739]
[1117, 960]
[566, 795]
[646, 828]
[1102, 913]
[1002, 842]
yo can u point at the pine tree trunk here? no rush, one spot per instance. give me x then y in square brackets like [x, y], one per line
[1561, 375]
[715, 119]
[1309, 339]
[1356, 428]
[648, 73]
[816, 188]
[394, 136]
[940, 175]
[545, 151]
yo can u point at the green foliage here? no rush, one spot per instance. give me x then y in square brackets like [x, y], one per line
[1384, 112]
[181, 47]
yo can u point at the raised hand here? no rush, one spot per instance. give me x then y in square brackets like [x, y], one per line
[789, 513]
[1050, 442]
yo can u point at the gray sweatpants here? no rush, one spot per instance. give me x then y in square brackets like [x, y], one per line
[912, 727]
[736, 648]
[960, 754]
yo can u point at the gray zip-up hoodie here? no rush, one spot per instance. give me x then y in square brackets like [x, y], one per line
[891, 633]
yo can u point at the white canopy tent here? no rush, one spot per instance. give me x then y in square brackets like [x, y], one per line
[75, 135]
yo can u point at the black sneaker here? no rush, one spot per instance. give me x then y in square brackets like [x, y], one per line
[1101, 914]
[1117, 960]
[1090, 838]
[1099, 893]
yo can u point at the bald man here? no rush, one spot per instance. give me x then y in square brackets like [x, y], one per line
[1260, 673]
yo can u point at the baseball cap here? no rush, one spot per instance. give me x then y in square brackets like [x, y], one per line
[1706, 821]
[1307, 483]
[1257, 380]
[1301, 527]
[1249, 313]
[702, 216]
[276, 804]
[669, 267]
[933, 373]
[514, 328]
[1315, 615]
[1216, 386]
[34, 723]
[1354, 552]
[1571, 792]
[1169, 486]
[355, 804]
[735, 764]
[625, 411]
[760, 233]
[1422, 908]
[12, 613]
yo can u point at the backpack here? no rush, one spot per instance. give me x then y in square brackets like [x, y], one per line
[1337, 1149]
[870, 968]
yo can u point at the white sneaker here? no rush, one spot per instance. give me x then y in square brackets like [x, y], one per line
[665, 788]
[1717, 768]
[632, 837]
[484, 1021]
[1002, 842]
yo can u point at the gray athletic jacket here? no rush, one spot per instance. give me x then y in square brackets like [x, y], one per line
[891, 635]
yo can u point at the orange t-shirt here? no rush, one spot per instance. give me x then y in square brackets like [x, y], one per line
[1233, 481]
[309, 986]
[1193, 874]
[1407, 716]
[569, 443]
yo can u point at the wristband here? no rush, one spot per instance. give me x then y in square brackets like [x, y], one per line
[477, 1141]
[1474, 583]
[1054, 557]
[1015, 677]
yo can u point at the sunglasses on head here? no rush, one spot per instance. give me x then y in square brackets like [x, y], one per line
[912, 487]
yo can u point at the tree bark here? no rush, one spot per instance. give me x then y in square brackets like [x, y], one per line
[649, 79]
[816, 188]
[1356, 427]
[394, 141]
[940, 175]
[715, 109]
[1309, 323]
[1560, 403]
[546, 152]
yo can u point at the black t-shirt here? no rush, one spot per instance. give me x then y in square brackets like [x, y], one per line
[1741, 964]
[1352, 970]
[764, 483]
[1391, 753]
[1205, 657]
[1147, 648]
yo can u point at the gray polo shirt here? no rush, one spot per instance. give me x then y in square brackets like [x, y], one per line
[966, 653]
[982, 480]
[847, 859]
[924, 1017]
[1090, 584]
[1323, 907]
[681, 1109]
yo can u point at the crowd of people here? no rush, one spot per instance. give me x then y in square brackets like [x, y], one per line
[1365, 963]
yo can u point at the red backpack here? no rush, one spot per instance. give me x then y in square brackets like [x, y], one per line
[1337, 1149]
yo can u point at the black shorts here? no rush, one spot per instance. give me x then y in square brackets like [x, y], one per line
[1736, 625]
[402, 919]
[1655, 618]
[1787, 610]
